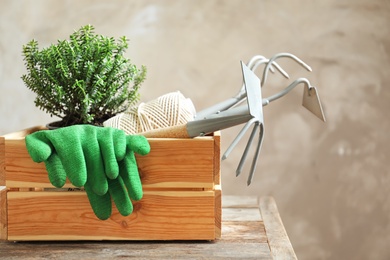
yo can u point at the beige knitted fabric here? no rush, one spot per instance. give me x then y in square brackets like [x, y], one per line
[168, 110]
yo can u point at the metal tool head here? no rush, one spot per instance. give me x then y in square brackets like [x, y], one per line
[311, 101]
[229, 103]
[253, 92]
[283, 55]
[253, 89]
[255, 108]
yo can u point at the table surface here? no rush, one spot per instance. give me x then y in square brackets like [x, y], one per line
[251, 229]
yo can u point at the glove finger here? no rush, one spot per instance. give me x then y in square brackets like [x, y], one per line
[38, 146]
[128, 170]
[138, 143]
[56, 171]
[120, 196]
[95, 166]
[101, 205]
[67, 143]
[113, 148]
[119, 143]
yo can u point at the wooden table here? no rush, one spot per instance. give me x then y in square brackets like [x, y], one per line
[251, 229]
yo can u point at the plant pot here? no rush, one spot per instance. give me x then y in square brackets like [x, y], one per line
[53, 125]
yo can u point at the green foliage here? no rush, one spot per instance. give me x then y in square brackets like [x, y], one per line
[83, 80]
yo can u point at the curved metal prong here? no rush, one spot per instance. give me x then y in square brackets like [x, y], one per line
[255, 59]
[274, 64]
[280, 55]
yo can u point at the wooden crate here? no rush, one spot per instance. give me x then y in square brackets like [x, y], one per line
[182, 196]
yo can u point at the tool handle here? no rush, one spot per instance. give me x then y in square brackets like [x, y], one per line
[178, 131]
[222, 106]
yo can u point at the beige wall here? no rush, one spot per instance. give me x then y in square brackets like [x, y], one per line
[331, 181]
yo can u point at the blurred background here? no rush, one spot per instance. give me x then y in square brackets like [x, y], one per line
[330, 180]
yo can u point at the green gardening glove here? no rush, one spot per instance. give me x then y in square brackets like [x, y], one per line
[77, 150]
[126, 187]
[101, 158]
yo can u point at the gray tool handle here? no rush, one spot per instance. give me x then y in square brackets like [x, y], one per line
[219, 121]
[212, 123]
[222, 106]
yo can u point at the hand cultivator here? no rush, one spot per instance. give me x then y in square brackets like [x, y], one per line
[229, 113]
[311, 102]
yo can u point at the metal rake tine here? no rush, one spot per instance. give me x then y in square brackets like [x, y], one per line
[257, 60]
[276, 65]
[280, 55]
[256, 156]
[238, 138]
[246, 151]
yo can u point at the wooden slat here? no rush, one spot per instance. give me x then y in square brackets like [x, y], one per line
[218, 211]
[217, 158]
[240, 240]
[171, 163]
[172, 215]
[231, 201]
[22, 133]
[244, 231]
[2, 161]
[3, 213]
[175, 161]
[239, 248]
[278, 240]
[241, 214]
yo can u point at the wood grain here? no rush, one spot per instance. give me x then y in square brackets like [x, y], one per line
[3, 213]
[182, 196]
[218, 211]
[22, 133]
[217, 158]
[231, 201]
[278, 240]
[241, 239]
[185, 163]
[178, 163]
[185, 215]
[2, 161]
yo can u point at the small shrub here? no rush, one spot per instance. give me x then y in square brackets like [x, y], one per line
[83, 80]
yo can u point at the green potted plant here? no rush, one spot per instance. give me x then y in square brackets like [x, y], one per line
[83, 80]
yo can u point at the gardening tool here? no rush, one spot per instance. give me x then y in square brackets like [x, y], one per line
[227, 113]
[252, 112]
[254, 62]
[311, 102]
[241, 95]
